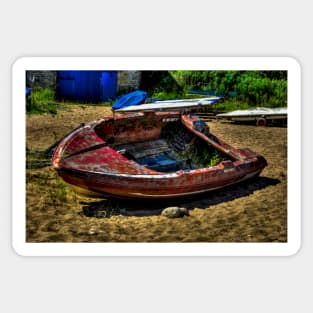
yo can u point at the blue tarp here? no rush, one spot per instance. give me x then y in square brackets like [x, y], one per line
[132, 98]
[160, 162]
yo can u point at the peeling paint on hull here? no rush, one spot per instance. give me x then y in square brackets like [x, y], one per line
[88, 158]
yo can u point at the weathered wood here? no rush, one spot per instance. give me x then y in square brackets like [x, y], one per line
[106, 172]
[143, 149]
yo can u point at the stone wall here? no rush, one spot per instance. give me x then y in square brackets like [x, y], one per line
[44, 79]
[128, 81]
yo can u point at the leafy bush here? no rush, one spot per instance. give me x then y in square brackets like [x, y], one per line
[158, 82]
[42, 101]
[256, 88]
[262, 91]
[162, 95]
[230, 105]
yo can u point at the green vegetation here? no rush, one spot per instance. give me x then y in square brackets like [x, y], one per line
[229, 105]
[37, 159]
[160, 82]
[201, 154]
[241, 89]
[211, 158]
[42, 101]
[46, 188]
[163, 95]
[253, 88]
[62, 191]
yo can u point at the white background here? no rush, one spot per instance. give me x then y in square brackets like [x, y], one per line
[160, 28]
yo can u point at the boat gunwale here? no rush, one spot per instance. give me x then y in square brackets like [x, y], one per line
[155, 174]
[149, 184]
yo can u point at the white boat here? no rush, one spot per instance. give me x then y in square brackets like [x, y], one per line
[170, 105]
[260, 115]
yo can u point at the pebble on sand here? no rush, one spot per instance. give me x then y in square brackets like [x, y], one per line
[173, 212]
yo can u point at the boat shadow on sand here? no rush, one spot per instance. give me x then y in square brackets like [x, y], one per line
[113, 207]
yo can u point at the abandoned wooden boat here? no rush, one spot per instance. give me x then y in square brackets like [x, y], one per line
[151, 155]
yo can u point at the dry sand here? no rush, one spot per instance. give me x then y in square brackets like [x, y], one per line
[253, 211]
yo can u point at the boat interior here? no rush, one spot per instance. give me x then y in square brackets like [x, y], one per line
[175, 149]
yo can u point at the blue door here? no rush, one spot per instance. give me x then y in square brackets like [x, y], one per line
[108, 85]
[87, 86]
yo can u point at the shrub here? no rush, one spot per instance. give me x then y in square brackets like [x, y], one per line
[42, 101]
[257, 88]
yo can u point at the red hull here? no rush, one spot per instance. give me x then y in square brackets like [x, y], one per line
[87, 159]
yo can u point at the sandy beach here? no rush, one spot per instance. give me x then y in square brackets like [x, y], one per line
[253, 211]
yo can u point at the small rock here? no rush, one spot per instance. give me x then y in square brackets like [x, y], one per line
[173, 212]
[92, 231]
[100, 213]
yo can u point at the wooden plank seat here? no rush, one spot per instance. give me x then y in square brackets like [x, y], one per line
[143, 149]
[156, 155]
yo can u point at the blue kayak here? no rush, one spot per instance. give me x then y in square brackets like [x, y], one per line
[130, 99]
